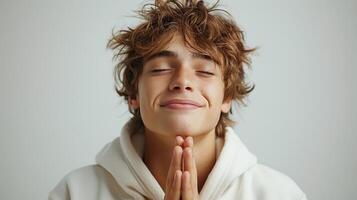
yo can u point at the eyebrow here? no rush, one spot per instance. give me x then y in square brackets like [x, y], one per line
[164, 53]
[167, 53]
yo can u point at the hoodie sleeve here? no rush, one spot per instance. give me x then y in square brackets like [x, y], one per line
[303, 197]
[60, 192]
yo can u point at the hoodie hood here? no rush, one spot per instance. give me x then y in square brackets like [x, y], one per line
[122, 158]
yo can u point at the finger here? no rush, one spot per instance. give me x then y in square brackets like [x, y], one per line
[187, 193]
[188, 142]
[191, 162]
[175, 189]
[194, 176]
[190, 166]
[188, 157]
[175, 164]
[179, 140]
[194, 169]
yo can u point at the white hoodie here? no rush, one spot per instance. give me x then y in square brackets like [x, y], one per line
[120, 173]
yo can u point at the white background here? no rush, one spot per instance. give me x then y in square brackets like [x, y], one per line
[58, 105]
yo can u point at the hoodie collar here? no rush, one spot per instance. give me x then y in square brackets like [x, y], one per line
[123, 159]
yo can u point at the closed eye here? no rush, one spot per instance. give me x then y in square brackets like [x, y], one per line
[206, 72]
[159, 70]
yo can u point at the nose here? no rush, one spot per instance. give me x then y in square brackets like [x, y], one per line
[182, 80]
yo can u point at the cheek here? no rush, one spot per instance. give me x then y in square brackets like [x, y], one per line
[149, 91]
[215, 93]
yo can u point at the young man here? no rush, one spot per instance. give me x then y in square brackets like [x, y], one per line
[180, 71]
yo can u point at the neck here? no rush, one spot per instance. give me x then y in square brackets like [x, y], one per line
[158, 153]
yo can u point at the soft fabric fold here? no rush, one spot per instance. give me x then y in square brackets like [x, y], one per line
[120, 173]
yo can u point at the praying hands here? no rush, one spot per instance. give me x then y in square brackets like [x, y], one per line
[181, 182]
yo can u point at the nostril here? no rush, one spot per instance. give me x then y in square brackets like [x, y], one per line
[179, 88]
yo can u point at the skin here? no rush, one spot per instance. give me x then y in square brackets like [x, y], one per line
[183, 139]
[182, 174]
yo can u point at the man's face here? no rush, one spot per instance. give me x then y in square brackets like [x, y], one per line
[175, 73]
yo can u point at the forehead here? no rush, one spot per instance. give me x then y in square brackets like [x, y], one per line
[177, 48]
[176, 41]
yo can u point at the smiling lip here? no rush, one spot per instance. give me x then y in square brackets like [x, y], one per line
[181, 104]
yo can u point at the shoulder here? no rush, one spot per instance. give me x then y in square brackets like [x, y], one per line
[86, 173]
[85, 182]
[272, 183]
[267, 175]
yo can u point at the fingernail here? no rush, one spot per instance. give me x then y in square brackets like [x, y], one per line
[177, 139]
[189, 140]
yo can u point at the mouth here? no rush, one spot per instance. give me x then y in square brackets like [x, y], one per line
[181, 104]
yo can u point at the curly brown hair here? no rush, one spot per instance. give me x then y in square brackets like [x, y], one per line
[207, 30]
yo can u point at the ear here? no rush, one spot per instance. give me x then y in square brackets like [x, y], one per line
[134, 103]
[226, 106]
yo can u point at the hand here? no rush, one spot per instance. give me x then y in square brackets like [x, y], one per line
[181, 182]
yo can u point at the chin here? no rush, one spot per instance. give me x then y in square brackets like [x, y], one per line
[184, 131]
[180, 129]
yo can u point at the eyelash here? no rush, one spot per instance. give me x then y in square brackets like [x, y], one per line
[205, 72]
[161, 70]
